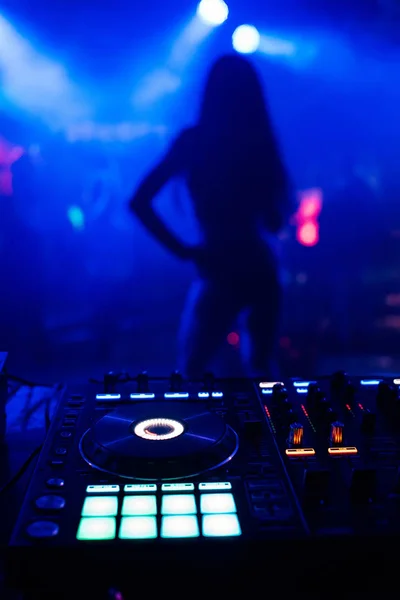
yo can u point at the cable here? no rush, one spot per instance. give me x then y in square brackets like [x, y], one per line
[21, 471]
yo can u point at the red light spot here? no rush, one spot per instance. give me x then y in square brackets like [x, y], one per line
[267, 411]
[348, 406]
[360, 406]
[285, 342]
[310, 205]
[233, 338]
[308, 234]
[303, 408]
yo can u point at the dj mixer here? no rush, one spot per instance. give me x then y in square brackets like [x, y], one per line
[157, 473]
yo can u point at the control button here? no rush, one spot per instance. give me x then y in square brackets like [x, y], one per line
[221, 526]
[313, 394]
[315, 486]
[363, 484]
[178, 504]
[100, 506]
[108, 397]
[69, 422]
[176, 382]
[338, 381]
[296, 434]
[57, 464]
[177, 487]
[215, 485]
[209, 382]
[349, 394]
[140, 487]
[50, 503]
[217, 503]
[368, 422]
[55, 482]
[336, 434]
[71, 414]
[41, 530]
[385, 395]
[138, 528]
[66, 434]
[98, 528]
[75, 403]
[102, 489]
[61, 451]
[279, 392]
[180, 526]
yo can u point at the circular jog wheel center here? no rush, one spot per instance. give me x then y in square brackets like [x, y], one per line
[124, 441]
[158, 429]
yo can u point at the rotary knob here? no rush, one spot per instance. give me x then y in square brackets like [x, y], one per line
[296, 434]
[336, 435]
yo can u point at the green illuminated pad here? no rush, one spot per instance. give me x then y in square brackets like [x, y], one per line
[138, 528]
[178, 504]
[96, 528]
[139, 505]
[222, 525]
[217, 503]
[179, 527]
[100, 506]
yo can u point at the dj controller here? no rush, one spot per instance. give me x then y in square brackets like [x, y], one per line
[256, 476]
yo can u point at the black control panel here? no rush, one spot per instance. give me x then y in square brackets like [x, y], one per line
[153, 469]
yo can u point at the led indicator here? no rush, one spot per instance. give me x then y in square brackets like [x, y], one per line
[179, 527]
[302, 384]
[203, 394]
[217, 503]
[215, 485]
[178, 504]
[269, 384]
[177, 487]
[108, 396]
[370, 381]
[176, 395]
[142, 396]
[303, 408]
[267, 391]
[217, 394]
[269, 418]
[344, 450]
[96, 529]
[100, 506]
[360, 406]
[138, 528]
[221, 526]
[301, 390]
[139, 505]
[140, 487]
[102, 489]
[300, 452]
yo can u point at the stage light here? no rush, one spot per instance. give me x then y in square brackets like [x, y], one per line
[246, 39]
[213, 12]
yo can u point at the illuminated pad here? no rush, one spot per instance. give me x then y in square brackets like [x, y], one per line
[221, 526]
[344, 450]
[178, 504]
[179, 527]
[139, 505]
[100, 506]
[138, 528]
[217, 503]
[294, 452]
[99, 528]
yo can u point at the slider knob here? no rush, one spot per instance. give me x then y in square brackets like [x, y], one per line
[296, 433]
[336, 435]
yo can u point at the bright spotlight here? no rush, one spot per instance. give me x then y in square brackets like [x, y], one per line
[213, 12]
[246, 39]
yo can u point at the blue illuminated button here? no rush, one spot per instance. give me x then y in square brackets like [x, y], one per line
[140, 487]
[217, 394]
[98, 528]
[102, 489]
[221, 526]
[108, 397]
[177, 487]
[176, 395]
[142, 396]
[178, 504]
[179, 527]
[217, 503]
[138, 528]
[100, 506]
[215, 485]
[139, 505]
[203, 394]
